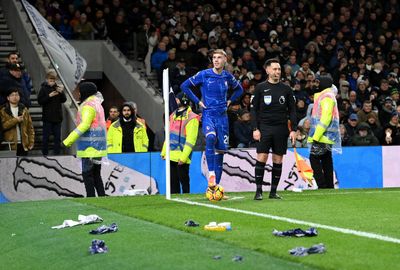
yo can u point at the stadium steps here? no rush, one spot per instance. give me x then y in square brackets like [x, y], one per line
[7, 45]
[140, 68]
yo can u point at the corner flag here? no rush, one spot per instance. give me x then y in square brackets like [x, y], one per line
[305, 170]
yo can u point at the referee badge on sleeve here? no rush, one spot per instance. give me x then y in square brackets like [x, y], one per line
[267, 100]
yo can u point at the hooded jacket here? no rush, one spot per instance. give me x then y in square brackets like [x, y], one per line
[368, 140]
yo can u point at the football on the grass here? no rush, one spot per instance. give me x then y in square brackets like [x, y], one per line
[215, 194]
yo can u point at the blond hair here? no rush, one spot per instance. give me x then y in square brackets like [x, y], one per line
[219, 51]
[51, 74]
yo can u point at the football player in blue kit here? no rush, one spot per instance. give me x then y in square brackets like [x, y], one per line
[214, 84]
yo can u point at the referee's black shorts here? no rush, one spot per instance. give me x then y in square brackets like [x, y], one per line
[275, 138]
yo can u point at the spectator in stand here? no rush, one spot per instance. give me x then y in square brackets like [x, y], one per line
[354, 103]
[127, 134]
[100, 26]
[260, 58]
[179, 74]
[84, 30]
[362, 91]
[157, 60]
[301, 109]
[119, 32]
[293, 64]
[170, 63]
[366, 109]
[243, 131]
[13, 58]
[14, 79]
[300, 93]
[113, 115]
[152, 37]
[384, 91]
[373, 122]
[17, 123]
[385, 113]
[245, 102]
[183, 52]
[344, 87]
[351, 124]
[376, 75]
[65, 29]
[51, 96]
[364, 136]
[258, 77]
[393, 79]
[391, 131]
[353, 79]
[345, 138]
[248, 61]
[394, 94]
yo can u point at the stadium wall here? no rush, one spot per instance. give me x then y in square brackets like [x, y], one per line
[39, 178]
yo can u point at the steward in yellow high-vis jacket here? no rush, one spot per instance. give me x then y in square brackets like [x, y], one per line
[90, 135]
[127, 134]
[324, 133]
[184, 126]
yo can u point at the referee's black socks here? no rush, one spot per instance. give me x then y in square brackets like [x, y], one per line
[276, 176]
[259, 173]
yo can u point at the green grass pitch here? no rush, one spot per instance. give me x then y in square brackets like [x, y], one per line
[152, 234]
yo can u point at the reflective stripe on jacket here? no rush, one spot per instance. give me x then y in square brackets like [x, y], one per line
[183, 136]
[325, 119]
[90, 133]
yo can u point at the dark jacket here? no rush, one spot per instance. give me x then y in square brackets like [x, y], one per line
[52, 106]
[243, 132]
[369, 140]
[8, 81]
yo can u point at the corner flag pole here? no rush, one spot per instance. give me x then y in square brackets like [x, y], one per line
[167, 145]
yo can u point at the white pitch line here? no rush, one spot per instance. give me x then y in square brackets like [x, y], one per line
[297, 221]
[310, 193]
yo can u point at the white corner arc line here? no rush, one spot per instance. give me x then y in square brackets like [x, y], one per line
[297, 221]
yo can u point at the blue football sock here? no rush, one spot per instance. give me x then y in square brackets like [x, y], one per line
[210, 151]
[219, 162]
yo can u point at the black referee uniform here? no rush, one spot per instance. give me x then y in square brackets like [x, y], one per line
[271, 107]
[273, 104]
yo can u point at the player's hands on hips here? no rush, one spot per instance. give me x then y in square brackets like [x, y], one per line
[256, 135]
[292, 137]
[201, 104]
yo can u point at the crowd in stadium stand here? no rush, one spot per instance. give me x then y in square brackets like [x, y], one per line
[356, 42]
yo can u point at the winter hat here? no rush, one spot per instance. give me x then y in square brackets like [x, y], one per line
[325, 82]
[183, 99]
[87, 89]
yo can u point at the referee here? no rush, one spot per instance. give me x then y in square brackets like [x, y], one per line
[272, 105]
